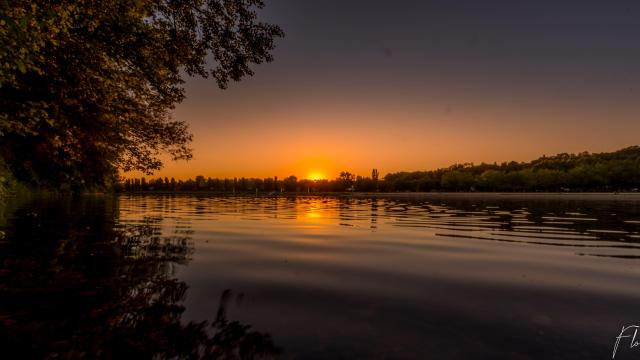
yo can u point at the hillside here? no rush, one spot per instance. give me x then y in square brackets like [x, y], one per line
[619, 170]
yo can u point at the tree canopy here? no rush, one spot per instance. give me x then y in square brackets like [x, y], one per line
[87, 87]
[613, 171]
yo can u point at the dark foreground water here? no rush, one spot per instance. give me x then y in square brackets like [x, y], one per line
[447, 277]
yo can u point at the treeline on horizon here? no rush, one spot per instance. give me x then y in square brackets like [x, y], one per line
[615, 171]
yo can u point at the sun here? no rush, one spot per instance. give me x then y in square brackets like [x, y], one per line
[316, 175]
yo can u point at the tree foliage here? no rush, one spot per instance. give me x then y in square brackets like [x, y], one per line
[615, 171]
[619, 170]
[87, 87]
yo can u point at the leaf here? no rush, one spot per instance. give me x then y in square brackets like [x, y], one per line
[21, 66]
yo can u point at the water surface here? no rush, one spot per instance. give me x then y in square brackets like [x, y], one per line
[319, 277]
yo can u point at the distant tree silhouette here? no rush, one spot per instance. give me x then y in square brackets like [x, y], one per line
[200, 182]
[618, 170]
[346, 180]
[290, 183]
[375, 175]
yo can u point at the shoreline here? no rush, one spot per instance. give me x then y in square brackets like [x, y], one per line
[633, 196]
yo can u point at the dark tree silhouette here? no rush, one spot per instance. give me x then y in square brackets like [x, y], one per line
[615, 171]
[290, 183]
[346, 179]
[86, 87]
[375, 175]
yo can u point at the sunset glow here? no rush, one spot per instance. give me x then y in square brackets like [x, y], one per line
[316, 176]
[328, 179]
[409, 97]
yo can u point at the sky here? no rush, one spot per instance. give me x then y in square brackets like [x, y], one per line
[419, 85]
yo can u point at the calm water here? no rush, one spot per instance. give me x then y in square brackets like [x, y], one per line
[319, 277]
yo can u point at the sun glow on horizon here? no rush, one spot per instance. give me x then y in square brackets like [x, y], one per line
[316, 175]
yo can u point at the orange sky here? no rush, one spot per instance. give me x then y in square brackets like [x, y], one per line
[324, 138]
[440, 84]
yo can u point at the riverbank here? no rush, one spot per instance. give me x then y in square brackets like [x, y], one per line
[524, 195]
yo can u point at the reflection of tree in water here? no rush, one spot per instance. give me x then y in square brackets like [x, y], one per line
[374, 211]
[73, 284]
